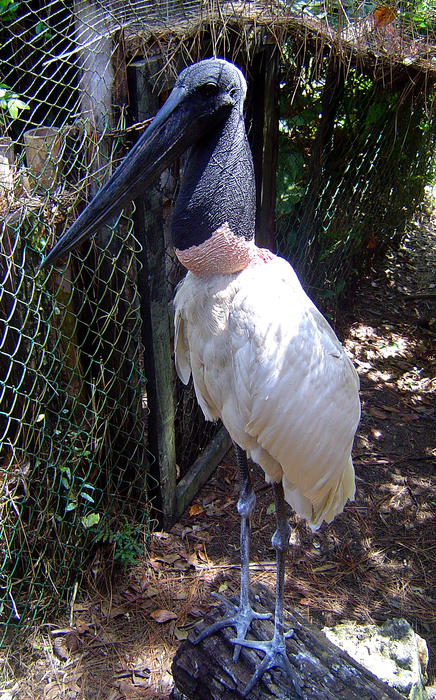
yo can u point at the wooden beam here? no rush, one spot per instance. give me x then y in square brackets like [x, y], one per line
[154, 293]
[95, 85]
[264, 115]
[200, 470]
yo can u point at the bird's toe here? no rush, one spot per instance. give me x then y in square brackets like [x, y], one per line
[275, 657]
[240, 618]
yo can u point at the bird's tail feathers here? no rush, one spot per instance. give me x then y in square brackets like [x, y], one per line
[314, 510]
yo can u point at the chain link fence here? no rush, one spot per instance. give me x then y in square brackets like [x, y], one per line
[78, 465]
[356, 150]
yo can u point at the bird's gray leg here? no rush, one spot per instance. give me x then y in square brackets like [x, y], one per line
[275, 649]
[239, 617]
[245, 507]
[280, 542]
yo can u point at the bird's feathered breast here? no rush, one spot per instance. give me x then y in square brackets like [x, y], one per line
[267, 363]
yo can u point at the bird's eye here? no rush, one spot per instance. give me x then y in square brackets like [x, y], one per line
[208, 89]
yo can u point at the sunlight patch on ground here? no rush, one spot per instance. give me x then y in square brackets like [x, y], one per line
[387, 356]
[382, 342]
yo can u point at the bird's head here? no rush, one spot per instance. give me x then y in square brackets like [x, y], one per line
[203, 96]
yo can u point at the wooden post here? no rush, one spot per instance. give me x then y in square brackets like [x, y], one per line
[153, 288]
[95, 84]
[264, 115]
[109, 350]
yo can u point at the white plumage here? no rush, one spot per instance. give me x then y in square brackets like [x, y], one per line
[265, 361]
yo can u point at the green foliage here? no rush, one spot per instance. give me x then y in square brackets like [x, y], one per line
[125, 539]
[419, 14]
[79, 498]
[333, 11]
[8, 10]
[348, 180]
[299, 120]
[10, 104]
[290, 188]
[42, 31]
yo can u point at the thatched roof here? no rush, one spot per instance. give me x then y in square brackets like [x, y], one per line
[383, 37]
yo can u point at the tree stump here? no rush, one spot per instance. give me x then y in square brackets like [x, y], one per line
[325, 672]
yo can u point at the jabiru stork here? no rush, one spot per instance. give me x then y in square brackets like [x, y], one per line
[262, 357]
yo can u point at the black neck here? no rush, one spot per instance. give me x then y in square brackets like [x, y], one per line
[217, 187]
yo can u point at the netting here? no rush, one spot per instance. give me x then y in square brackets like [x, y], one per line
[75, 416]
[357, 148]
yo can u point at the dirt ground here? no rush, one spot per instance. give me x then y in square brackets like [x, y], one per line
[376, 561]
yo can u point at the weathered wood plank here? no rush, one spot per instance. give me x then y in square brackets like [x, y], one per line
[324, 672]
[95, 85]
[200, 470]
[153, 289]
[264, 114]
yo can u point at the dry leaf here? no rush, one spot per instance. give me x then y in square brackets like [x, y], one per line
[195, 509]
[180, 634]
[155, 564]
[117, 611]
[163, 615]
[149, 591]
[170, 558]
[198, 611]
[81, 626]
[377, 413]
[192, 560]
[384, 15]
[181, 565]
[81, 607]
[324, 567]
[202, 556]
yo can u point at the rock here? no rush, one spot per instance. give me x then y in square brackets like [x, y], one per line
[392, 651]
[431, 691]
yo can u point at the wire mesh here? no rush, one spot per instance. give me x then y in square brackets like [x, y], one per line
[356, 150]
[73, 412]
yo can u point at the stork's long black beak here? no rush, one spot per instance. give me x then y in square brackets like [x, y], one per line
[181, 121]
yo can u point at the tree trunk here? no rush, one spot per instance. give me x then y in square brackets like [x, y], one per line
[324, 672]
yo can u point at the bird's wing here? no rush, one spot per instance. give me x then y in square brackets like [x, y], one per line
[192, 339]
[295, 388]
[267, 363]
[182, 360]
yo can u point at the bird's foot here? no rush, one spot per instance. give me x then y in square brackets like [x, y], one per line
[240, 618]
[275, 657]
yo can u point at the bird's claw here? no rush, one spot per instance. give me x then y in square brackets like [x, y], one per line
[275, 657]
[240, 618]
